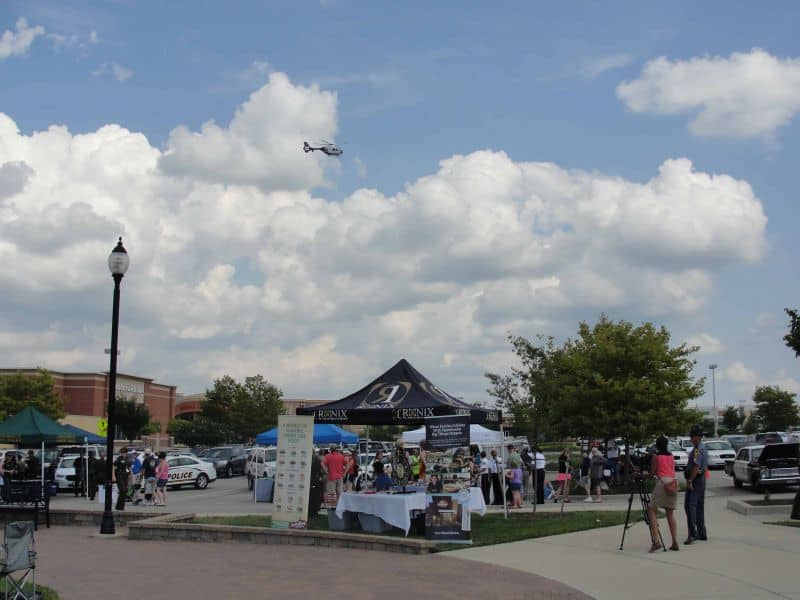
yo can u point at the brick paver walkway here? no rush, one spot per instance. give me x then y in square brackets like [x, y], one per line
[79, 565]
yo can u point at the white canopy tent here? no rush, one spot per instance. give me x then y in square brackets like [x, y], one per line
[478, 434]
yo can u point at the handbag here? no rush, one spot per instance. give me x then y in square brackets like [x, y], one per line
[671, 486]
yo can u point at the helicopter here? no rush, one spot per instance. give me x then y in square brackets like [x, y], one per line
[325, 147]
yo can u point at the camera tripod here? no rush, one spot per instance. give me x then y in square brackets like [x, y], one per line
[644, 498]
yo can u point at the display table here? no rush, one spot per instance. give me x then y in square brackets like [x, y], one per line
[396, 509]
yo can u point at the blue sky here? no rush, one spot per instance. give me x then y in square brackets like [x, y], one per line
[416, 84]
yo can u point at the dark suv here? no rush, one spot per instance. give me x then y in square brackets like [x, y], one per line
[227, 460]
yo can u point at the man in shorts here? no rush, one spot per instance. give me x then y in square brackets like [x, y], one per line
[334, 465]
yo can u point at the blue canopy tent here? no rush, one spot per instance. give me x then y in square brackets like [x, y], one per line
[91, 438]
[324, 433]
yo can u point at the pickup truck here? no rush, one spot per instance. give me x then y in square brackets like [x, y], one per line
[763, 466]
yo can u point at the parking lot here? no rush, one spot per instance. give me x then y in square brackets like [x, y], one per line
[231, 496]
[220, 497]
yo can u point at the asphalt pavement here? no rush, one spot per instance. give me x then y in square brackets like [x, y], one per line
[744, 558]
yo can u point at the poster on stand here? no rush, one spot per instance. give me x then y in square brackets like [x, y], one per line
[447, 432]
[293, 471]
[447, 518]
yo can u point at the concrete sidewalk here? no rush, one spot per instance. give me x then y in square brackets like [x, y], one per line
[742, 559]
[79, 564]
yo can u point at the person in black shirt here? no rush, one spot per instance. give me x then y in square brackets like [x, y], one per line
[80, 475]
[122, 472]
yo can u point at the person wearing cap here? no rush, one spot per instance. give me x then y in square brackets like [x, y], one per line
[694, 500]
[121, 474]
[334, 465]
[149, 466]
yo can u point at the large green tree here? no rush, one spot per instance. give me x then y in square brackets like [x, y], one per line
[615, 379]
[132, 418]
[733, 418]
[243, 409]
[776, 409]
[199, 432]
[792, 338]
[19, 390]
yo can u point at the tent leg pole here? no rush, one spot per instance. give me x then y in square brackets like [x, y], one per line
[42, 461]
[503, 471]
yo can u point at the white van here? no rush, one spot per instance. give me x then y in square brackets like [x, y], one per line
[261, 462]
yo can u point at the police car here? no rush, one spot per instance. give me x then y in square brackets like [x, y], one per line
[188, 470]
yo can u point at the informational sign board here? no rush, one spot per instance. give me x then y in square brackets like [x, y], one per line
[447, 518]
[447, 432]
[293, 471]
[102, 426]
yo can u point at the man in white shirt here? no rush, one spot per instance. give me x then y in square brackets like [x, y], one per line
[495, 466]
[540, 461]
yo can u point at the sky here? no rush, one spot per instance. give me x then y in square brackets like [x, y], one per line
[507, 169]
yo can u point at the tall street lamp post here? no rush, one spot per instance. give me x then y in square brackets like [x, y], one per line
[714, 394]
[118, 262]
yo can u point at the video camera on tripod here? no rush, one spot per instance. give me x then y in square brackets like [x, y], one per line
[640, 475]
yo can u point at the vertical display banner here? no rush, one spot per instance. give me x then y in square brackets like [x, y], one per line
[442, 433]
[447, 515]
[293, 472]
[447, 518]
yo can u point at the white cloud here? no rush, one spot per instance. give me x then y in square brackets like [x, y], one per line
[73, 40]
[743, 95]
[361, 167]
[116, 70]
[737, 372]
[263, 143]
[707, 342]
[237, 267]
[15, 43]
[597, 66]
[257, 72]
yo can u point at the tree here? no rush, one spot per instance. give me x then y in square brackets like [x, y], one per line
[733, 418]
[384, 433]
[776, 409]
[243, 409]
[613, 380]
[131, 417]
[750, 424]
[19, 391]
[792, 338]
[200, 432]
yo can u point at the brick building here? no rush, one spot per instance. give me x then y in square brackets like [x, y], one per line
[86, 394]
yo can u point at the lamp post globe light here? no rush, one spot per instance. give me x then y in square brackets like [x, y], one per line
[713, 368]
[118, 263]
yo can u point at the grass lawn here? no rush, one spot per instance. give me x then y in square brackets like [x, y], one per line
[46, 592]
[486, 530]
[784, 523]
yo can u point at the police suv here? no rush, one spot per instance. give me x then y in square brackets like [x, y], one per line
[188, 470]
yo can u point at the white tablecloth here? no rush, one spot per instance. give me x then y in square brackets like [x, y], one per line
[396, 509]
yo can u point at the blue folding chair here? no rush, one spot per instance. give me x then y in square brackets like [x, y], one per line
[19, 556]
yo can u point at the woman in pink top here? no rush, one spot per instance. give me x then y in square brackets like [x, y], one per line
[665, 493]
[162, 475]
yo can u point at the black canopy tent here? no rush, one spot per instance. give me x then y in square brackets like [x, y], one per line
[400, 396]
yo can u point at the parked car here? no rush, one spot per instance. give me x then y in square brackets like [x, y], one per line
[737, 440]
[261, 462]
[718, 452]
[227, 460]
[680, 455]
[765, 465]
[95, 450]
[188, 470]
[773, 437]
[65, 472]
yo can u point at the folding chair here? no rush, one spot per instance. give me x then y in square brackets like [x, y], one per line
[18, 555]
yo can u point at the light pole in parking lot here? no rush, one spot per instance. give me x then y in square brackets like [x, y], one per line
[118, 263]
[713, 368]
